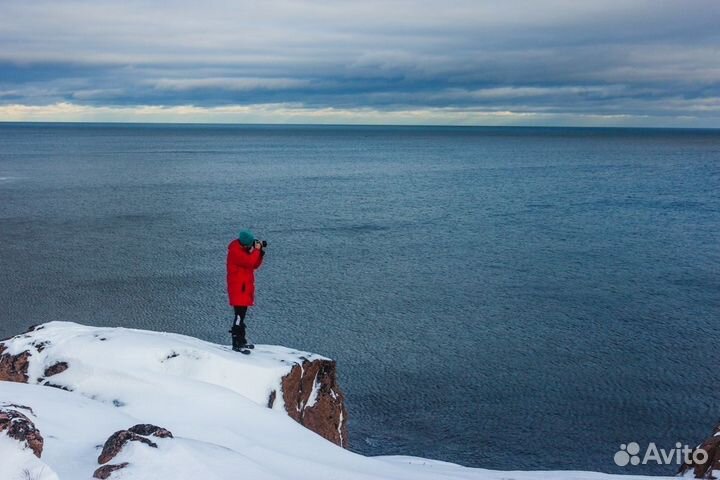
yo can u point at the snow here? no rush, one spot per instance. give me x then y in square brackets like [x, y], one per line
[314, 393]
[138, 357]
[213, 400]
[22, 464]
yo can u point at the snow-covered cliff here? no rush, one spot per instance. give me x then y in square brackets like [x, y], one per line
[136, 405]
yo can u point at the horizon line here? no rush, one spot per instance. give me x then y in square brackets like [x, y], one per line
[395, 125]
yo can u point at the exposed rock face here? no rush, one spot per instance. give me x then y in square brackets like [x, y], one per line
[19, 427]
[56, 368]
[13, 368]
[119, 439]
[146, 430]
[106, 470]
[314, 399]
[711, 445]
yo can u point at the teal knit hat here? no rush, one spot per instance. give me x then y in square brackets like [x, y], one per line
[246, 237]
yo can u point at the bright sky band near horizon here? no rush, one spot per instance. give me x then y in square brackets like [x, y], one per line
[641, 63]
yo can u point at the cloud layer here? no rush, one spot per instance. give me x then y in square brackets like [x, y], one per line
[640, 62]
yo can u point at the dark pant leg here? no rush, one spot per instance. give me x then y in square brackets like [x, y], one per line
[238, 328]
[240, 313]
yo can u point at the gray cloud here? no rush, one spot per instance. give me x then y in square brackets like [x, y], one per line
[654, 60]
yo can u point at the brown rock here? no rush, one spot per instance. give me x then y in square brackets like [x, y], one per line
[711, 445]
[327, 415]
[117, 441]
[13, 368]
[55, 385]
[146, 430]
[271, 399]
[19, 427]
[106, 470]
[16, 406]
[56, 368]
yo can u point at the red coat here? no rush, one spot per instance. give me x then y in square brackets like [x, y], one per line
[241, 266]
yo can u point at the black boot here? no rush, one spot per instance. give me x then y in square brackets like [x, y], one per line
[238, 339]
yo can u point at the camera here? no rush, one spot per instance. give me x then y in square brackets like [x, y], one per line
[263, 243]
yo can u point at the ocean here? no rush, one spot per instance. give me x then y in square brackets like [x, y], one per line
[507, 298]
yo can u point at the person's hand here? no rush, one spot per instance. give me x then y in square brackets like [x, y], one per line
[258, 244]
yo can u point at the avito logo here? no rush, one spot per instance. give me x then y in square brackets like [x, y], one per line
[629, 454]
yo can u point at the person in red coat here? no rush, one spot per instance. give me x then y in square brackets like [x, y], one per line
[245, 255]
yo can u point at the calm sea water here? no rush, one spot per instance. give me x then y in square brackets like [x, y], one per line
[512, 298]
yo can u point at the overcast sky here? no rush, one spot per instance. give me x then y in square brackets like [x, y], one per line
[542, 62]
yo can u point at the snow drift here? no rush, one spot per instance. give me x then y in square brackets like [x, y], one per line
[136, 405]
